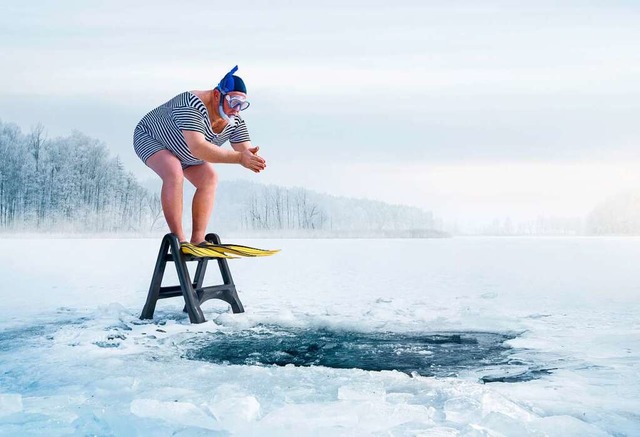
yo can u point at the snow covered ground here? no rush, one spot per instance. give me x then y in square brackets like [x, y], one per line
[75, 358]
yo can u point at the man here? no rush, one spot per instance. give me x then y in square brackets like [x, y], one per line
[181, 138]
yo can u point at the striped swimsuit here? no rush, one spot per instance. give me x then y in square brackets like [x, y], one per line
[161, 129]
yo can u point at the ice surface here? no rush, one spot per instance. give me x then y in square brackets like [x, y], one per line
[179, 413]
[75, 358]
[10, 403]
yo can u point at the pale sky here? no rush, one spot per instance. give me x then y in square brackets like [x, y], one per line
[469, 109]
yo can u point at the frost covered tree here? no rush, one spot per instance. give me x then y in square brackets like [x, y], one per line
[618, 215]
[250, 206]
[271, 207]
[66, 184]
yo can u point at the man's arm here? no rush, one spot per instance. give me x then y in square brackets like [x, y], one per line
[240, 147]
[202, 149]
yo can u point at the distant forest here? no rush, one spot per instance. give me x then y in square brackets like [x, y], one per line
[66, 184]
[71, 184]
[242, 205]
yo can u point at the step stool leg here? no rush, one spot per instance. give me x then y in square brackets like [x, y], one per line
[190, 297]
[156, 280]
[198, 279]
[230, 295]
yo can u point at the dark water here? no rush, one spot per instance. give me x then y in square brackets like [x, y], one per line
[426, 354]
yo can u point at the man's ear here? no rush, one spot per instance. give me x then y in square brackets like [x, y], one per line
[216, 95]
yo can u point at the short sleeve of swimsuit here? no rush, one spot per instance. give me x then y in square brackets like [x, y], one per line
[240, 133]
[189, 118]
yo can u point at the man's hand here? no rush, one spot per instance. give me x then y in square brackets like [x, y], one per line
[250, 159]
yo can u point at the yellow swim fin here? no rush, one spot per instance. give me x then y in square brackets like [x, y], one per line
[203, 252]
[236, 249]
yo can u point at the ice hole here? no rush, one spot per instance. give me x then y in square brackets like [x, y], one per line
[441, 354]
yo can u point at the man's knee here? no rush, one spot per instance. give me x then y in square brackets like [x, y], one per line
[173, 181]
[167, 166]
[211, 176]
[173, 175]
[203, 176]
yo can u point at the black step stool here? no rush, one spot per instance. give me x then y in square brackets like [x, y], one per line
[193, 292]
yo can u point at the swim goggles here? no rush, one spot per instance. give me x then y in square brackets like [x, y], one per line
[237, 103]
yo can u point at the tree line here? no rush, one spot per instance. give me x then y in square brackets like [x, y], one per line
[67, 183]
[242, 205]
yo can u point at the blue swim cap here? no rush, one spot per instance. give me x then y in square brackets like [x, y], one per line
[232, 83]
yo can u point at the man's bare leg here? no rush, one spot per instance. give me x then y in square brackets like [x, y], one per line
[168, 167]
[205, 179]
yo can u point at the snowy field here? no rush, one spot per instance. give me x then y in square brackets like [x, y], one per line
[497, 336]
